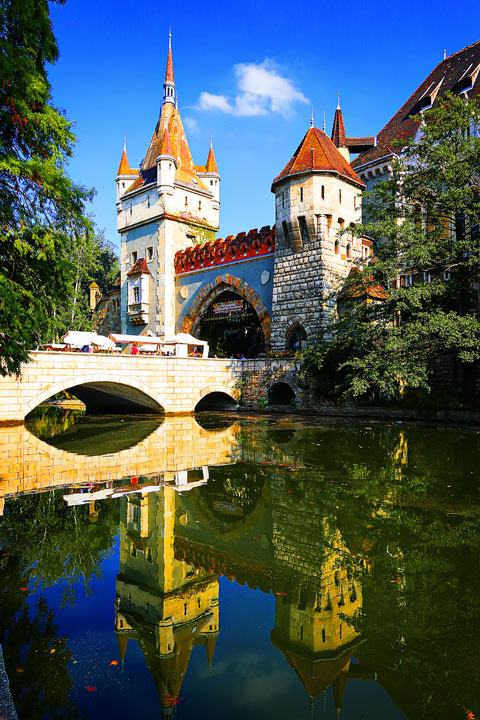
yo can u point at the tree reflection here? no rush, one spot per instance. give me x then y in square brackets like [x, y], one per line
[56, 544]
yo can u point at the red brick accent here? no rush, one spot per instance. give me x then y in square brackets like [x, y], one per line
[232, 249]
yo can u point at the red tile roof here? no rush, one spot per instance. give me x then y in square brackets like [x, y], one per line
[402, 127]
[139, 267]
[124, 167]
[211, 165]
[317, 152]
[362, 288]
[242, 247]
[166, 145]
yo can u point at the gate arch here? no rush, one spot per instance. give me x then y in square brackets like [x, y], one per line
[217, 286]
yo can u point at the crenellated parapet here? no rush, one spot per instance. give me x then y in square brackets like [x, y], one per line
[244, 246]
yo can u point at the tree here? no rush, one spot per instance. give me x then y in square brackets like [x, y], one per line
[91, 259]
[425, 274]
[41, 209]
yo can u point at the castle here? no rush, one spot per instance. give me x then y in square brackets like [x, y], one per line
[256, 292]
[268, 290]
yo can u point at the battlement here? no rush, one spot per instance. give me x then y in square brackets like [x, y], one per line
[243, 246]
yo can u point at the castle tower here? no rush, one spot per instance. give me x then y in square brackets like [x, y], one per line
[167, 206]
[317, 198]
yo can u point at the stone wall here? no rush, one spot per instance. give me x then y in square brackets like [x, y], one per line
[260, 375]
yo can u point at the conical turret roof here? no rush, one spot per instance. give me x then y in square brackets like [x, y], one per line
[317, 152]
[124, 167]
[211, 165]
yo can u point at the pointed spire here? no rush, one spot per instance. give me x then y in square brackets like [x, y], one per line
[338, 130]
[211, 164]
[338, 98]
[169, 68]
[124, 167]
[312, 121]
[169, 83]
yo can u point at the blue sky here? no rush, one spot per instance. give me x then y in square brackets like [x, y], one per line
[246, 72]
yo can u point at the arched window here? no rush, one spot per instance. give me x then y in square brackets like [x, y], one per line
[337, 247]
[296, 338]
[349, 251]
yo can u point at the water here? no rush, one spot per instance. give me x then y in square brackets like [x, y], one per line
[241, 567]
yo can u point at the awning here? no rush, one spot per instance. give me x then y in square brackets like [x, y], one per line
[78, 339]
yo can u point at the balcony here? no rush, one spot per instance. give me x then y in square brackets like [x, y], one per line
[138, 313]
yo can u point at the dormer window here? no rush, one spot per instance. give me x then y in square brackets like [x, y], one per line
[427, 99]
[467, 81]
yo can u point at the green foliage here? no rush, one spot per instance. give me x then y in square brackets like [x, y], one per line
[425, 223]
[41, 210]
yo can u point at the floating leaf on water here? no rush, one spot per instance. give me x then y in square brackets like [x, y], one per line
[91, 688]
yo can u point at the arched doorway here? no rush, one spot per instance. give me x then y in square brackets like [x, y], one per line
[231, 326]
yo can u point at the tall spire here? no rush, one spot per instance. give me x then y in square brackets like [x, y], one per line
[338, 130]
[169, 84]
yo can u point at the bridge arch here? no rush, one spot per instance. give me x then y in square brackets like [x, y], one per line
[127, 394]
[216, 287]
[217, 392]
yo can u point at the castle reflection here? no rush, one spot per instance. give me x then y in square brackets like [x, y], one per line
[372, 565]
[167, 592]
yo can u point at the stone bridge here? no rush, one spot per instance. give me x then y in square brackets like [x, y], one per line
[130, 383]
[125, 383]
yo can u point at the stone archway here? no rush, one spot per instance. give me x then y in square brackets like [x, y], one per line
[217, 286]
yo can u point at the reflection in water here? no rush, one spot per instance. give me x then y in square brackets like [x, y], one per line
[75, 432]
[364, 540]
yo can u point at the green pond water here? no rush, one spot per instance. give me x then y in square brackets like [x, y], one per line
[235, 567]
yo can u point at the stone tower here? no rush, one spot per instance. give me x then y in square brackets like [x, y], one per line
[317, 196]
[167, 205]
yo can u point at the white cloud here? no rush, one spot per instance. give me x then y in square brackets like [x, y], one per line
[208, 101]
[191, 125]
[261, 89]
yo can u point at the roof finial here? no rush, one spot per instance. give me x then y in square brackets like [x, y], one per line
[312, 122]
[338, 98]
[170, 38]
[444, 54]
[211, 139]
[125, 142]
[324, 123]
